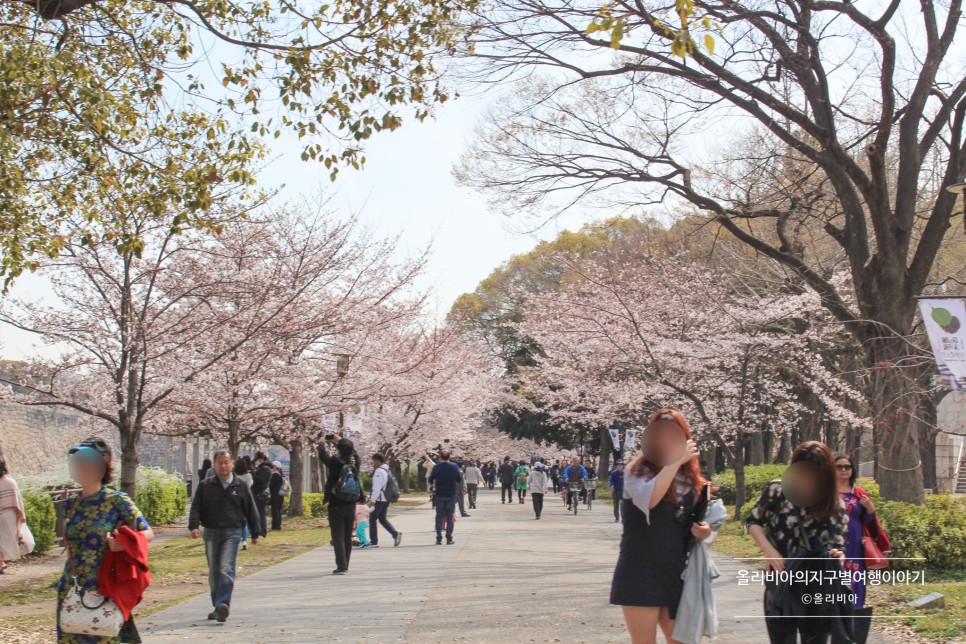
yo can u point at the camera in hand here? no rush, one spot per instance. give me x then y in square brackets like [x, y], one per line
[330, 437]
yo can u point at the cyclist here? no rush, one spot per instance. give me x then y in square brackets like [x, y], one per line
[575, 473]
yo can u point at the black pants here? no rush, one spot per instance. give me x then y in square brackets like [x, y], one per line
[785, 630]
[262, 515]
[537, 500]
[491, 483]
[614, 494]
[506, 492]
[277, 502]
[556, 485]
[341, 518]
[380, 515]
[521, 494]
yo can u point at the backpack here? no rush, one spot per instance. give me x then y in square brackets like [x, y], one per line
[286, 488]
[522, 477]
[347, 487]
[391, 491]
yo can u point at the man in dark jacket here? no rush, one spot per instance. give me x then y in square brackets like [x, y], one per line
[446, 477]
[506, 476]
[261, 479]
[342, 512]
[223, 505]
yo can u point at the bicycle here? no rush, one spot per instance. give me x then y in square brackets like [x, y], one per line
[574, 489]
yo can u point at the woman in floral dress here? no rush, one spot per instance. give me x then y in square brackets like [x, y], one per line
[92, 518]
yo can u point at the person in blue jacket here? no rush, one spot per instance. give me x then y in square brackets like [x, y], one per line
[616, 485]
[574, 472]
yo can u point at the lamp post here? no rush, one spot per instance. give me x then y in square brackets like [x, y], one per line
[960, 189]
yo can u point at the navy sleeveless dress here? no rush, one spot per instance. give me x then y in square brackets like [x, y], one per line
[652, 555]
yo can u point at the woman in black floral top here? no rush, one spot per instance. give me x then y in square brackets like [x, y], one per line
[807, 511]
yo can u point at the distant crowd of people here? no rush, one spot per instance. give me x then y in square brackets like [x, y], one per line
[814, 523]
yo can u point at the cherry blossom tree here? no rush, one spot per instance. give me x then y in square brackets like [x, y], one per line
[621, 338]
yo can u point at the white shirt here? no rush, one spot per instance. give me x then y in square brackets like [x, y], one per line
[380, 478]
[473, 475]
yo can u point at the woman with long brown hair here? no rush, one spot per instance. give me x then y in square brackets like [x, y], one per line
[801, 511]
[660, 488]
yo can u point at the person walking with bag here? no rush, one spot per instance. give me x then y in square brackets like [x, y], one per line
[342, 492]
[275, 484]
[223, 505]
[12, 517]
[521, 476]
[863, 528]
[92, 519]
[801, 513]
[538, 482]
[261, 479]
[385, 490]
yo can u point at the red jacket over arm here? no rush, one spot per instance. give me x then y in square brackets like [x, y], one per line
[124, 575]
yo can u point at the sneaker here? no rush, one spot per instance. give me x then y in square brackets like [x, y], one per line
[244, 545]
[464, 515]
[221, 611]
[339, 571]
[397, 540]
[212, 615]
[450, 542]
[372, 545]
[439, 541]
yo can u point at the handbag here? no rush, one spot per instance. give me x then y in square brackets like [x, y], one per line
[26, 540]
[874, 559]
[87, 612]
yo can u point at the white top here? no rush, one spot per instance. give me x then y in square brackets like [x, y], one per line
[380, 478]
[473, 475]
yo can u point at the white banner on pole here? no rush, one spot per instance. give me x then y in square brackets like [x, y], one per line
[615, 438]
[945, 322]
[630, 439]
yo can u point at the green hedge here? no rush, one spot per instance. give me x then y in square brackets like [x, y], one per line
[312, 503]
[935, 531]
[757, 478]
[41, 518]
[161, 497]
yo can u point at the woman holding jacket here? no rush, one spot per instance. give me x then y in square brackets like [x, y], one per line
[660, 490]
[862, 523]
[92, 519]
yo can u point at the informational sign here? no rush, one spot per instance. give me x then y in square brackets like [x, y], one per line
[945, 321]
[615, 438]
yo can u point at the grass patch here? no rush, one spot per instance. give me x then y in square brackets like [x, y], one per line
[178, 568]
[944, 624]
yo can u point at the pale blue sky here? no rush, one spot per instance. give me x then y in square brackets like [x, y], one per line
[406, 187]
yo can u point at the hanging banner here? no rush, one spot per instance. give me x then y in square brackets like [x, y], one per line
[615, 438]
[945, 322]
[630, 439]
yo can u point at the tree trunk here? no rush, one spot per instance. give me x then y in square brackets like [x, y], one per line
[739, 466]
[756, 449]
[405, 482]
[603, 465]
[130, 459]
[234, 437]
[896, 407]
[295, 475]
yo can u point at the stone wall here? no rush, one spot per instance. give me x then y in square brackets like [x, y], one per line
[36, 439]
[951, 417]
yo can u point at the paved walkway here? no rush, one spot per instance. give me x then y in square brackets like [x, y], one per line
[509, 578]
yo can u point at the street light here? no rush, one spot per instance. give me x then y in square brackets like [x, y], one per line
[960, 189]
